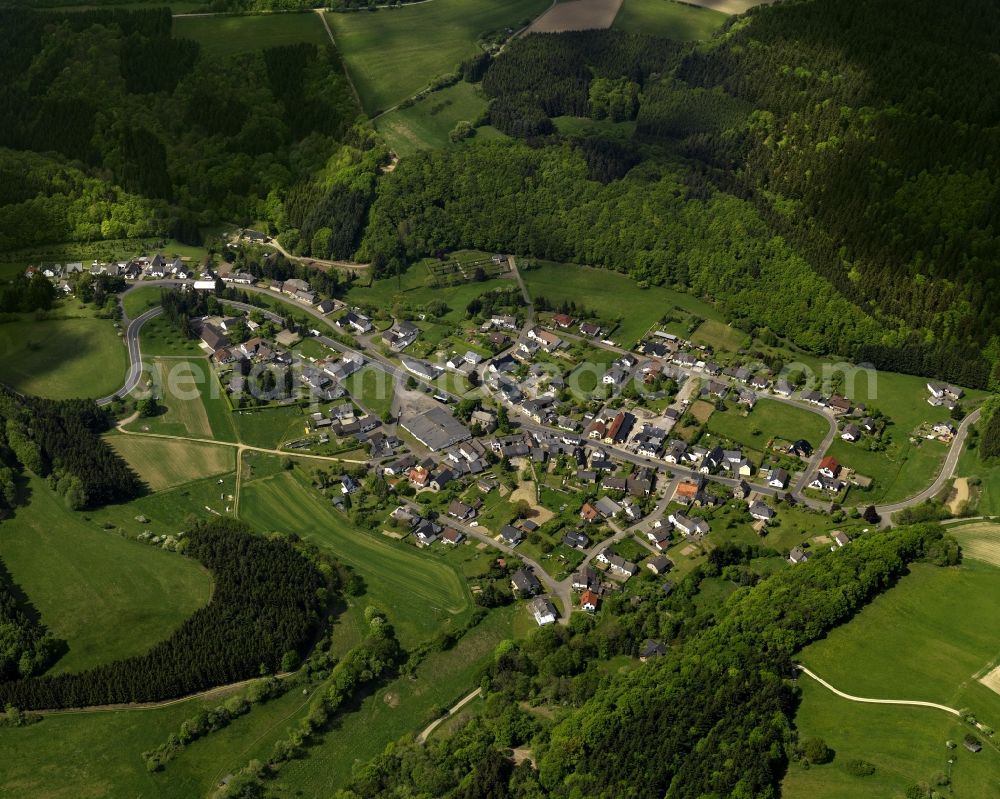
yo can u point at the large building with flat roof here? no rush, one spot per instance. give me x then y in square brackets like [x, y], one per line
[436, 429]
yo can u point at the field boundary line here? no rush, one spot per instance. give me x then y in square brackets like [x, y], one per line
[871, 701]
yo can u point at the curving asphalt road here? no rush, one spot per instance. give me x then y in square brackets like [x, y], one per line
[134, 355]
[946, 473]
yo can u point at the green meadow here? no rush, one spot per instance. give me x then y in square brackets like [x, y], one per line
[107, 597]
[392, 53]
[74, 354]
[769, 419]
[590, 288]
[930, 638]
[427, 123]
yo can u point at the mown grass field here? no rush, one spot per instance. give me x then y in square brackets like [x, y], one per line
[980, 540]
[929, 638]
[192, 397]
[720, 336]
[223, 37]
[373, 388]
[76, 356]
[427, 123]
[165, 463]
[400, 709]
[270, 427]
[773, 420]
[107, 597]
[392, 53]
[668, 19]
[898, 473]
[420, 595]
[589, 288]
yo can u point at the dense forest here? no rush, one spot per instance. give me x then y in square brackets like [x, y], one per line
[712, 717]
[61, 440]
[128, 144]
[267, 601]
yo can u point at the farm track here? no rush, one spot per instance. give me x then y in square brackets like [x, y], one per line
[870, 701]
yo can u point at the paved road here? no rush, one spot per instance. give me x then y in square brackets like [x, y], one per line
[947, 470]
[134, 355]
[869, 701]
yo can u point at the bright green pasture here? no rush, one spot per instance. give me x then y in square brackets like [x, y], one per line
[426, 124]
[392, 53]
[76, 356]
[928, 638]
[769, 419]
[107, 597]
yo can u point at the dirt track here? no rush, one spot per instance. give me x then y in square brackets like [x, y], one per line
[728, 6]
[577, 15]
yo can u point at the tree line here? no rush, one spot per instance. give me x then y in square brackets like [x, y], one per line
[267, 601]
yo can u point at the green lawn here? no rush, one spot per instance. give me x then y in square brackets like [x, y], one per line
[589, 287]
[193, 400]
[140, 299]
[720, 336]
[164, 463]
[393, 53]
[77, 356]
[222, 37]
[414, 289]
[928, 638]
[426, 124]
[400, 709]
[270, 427]
[773, 420]
[160, 338]
[107, 597]
[419, 594]
[373, 388]
[668, 19]
[900, 472]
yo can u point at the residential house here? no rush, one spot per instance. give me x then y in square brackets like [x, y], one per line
[801, 448]
[563, 320]
[829, 467]
[798, 555]
[452, 536]
[783, 388]
[615, 376]
[459, 510]
[585, 578]
[661, 564]
[840, 538]
[543, 611]
[607, 507]
[851, 433]
[589, 601]
[742, 490]
[427, 533]
[651, 649]
[401, 335]
[547, 340]
[839, 404]
[761, 512]
[511, 536]
[357, 322]
[590, 329]
[525, 581]
[778, 478]
[691, 527]
[576, 540]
